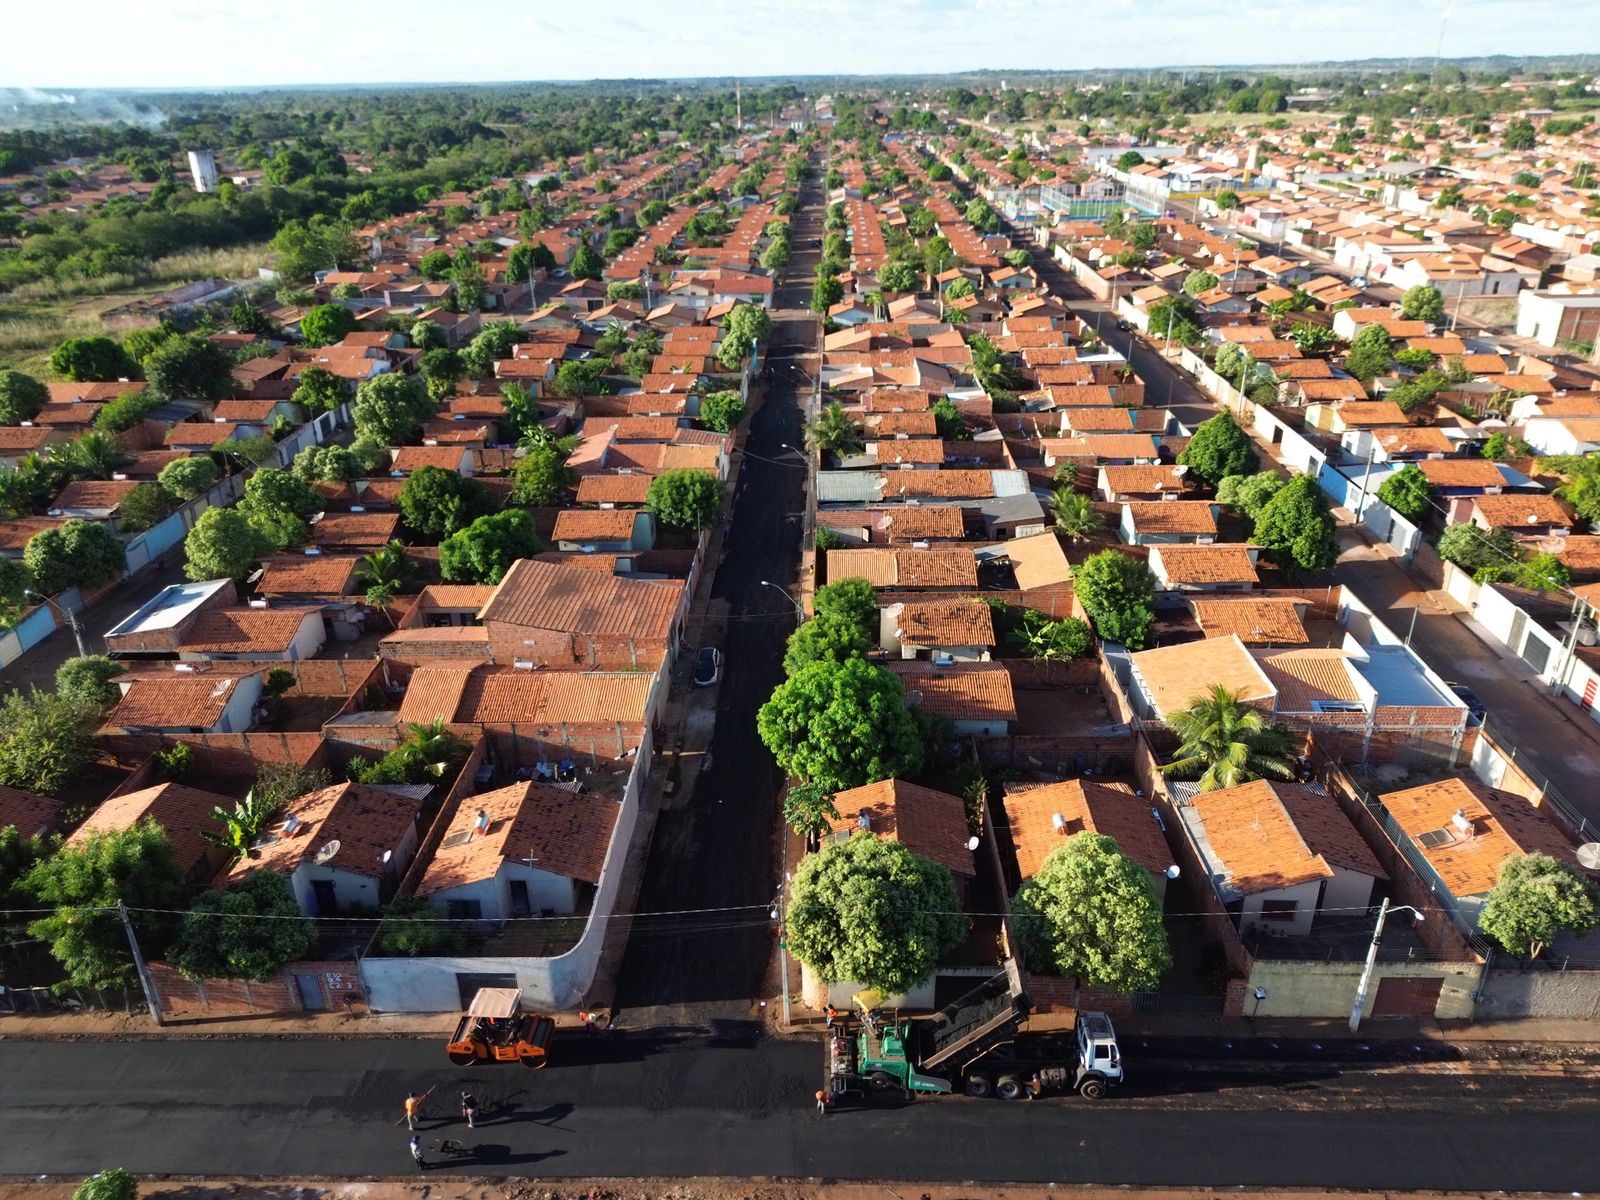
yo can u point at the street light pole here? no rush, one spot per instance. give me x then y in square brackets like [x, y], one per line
[783, 951]
[1372, 959]
[798, 611]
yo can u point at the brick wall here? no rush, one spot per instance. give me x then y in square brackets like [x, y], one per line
[1063, 754]
[331, 676]
[193, 998]
[1031, 673]
[225, 753]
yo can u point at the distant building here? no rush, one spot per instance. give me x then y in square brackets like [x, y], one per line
[203, 168]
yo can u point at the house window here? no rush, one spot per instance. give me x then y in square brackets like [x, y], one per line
[1279, 910]
[465, 910]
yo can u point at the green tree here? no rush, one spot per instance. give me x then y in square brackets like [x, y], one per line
[1370, 353]
[73, 554]
[586, 263]
[749, 321]
[869, 911]
[733, 350]
[1037, 636]
[958, 289]
[45, 740]
[1118, 593]
[542, 475]
[21, 397]
[95, 359]
[721, 411]
[1091, 913]
[1227, 199]
[1224, 742]
[247, 821]
[88, 682]
[842, 725]
[435, 265]
[484, 551]
[93, 455]
[825, 293]
[15, 582]
[126, 411]
[1075, 514]
[326, 324]
[437, 503]
[411, 927]
[1198, 282]
[527, 257]
[189, 367]
[1143, 237]
[278, 784]
[391, 408]
[470, 286]
[1129, 159]
[1535, 900]
[428, 335]
[1296, 528]
[249, 931]
[115, 1184]
[144, 505]
[1313, 339]
[187, 478]
[1219, 448]
[808, 809]
[830, 638]
[1520, 135]
[1422, 303]
[897, 277]
[302, 249]
[851, 599]
[1407, 491]
[327, 464]
[84, 883]
[685, 498]
[275, 488]
[835, 433]
[223, 545]
[1473, 550]
[321, 390]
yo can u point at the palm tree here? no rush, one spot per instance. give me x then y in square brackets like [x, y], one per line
[95, 455]
[808, 810]
[390, 567]
[1075, 514]
[834, 432]
[1226, 742]
[875, 298]
[1583, 493]
[432, 746]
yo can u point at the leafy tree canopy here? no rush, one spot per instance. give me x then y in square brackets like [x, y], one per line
[437, 503]
[842, 725]
[326, 324]
[1118, 593]
[249, 931]
[1296, 528]
[223, 544]
[1219, 448]
[869, 911]
[484, 551]
[1535, 900]
[73, 554]
[685, 498]
[88, 682]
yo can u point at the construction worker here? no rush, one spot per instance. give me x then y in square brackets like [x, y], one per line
[830, 1014]
[413, 1110]
[469, 1109]
[416, 1153]
[822, 1102]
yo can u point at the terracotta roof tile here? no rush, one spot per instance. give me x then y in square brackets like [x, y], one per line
[1304, 677]
[1137, 480]
[563, 832]
[1521, 509]
[1266, 836]
[549, 596]
[928, 823]
[29, 813]
[1173, 516]
[1199, 565]
[364, 820]
[309, 574]
[184, 812]
[1174, 676]
[174, 700]
[962, 692]
[360, 530]
[613, 489]
[963, 622]
[1503, 825]
[1461, 472]
[906, 567]
[246, 630]
[1087, 808]
[594, 524]
[1255, 622]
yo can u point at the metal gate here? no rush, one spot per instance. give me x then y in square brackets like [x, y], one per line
[1407, 996]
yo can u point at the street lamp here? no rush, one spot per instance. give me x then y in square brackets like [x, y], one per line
[798, 611]
[72, 620]
[1372, 957]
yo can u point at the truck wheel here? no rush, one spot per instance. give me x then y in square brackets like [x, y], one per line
[978, 1085]
[1092, 1088]
[1010, 1087]
[882, 1080]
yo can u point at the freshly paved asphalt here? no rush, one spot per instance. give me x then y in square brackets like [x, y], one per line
[635, 1105]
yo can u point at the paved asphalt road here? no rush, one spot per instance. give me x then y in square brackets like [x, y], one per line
[716, 851]
[635, 1105]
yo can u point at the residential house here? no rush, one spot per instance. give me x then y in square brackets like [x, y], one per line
[562, 616]
[29, 814]
[1525, 514]
[184, 814]
[1043, 818]
[1169, 522]
[929, 823]
[254, 634]
[976, 697]
[607, 530]
[341, 847]
[530, 848]
[186, 701]
[1255, 621]
[1168, 679]
[1280, 856]
[1203, 568]
[942, 631]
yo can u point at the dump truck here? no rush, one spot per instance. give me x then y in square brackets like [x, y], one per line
[976, 1045]
[496, 1029]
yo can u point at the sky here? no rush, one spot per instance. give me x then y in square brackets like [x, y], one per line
[247, 43]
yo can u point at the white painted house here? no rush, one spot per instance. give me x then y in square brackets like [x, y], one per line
[338, 846]
[531, 848]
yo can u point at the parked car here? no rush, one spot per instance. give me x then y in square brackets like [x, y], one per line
[1467, 696]
[707, 667]
[1123, 326]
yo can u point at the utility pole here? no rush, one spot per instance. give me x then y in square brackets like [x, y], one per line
[1372, 960]
[783, 950]
[148, 984]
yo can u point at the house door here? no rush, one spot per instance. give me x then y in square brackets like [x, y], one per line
[521, 906]
[322, 892]
[310, 988]
[1407, 996]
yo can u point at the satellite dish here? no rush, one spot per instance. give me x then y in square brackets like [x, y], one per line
[972, 843]
[1589, 855]
[1173, 871]
[327, 852]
